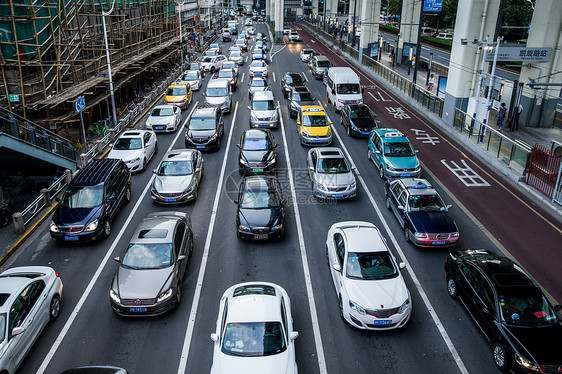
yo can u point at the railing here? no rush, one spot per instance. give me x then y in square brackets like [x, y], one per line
[45, 198]
[512, 152]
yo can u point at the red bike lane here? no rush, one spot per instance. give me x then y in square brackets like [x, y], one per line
[527, 232]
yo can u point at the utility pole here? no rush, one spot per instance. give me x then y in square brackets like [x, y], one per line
[418, 45]
[103, 14]
[354, 13]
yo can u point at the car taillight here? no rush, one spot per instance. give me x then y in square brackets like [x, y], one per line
[57, 274]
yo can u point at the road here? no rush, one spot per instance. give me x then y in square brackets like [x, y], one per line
[439, 338]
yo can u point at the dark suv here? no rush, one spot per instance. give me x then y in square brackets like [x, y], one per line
[91, 201]
[290, 80]
[205, 129]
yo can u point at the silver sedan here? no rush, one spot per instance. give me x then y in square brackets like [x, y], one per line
[330, 173]
[164, 118]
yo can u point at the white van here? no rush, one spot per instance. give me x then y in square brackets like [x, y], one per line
[343, 87]
[445, 36]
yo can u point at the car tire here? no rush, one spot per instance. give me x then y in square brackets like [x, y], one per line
[327, 257]
[348, 131]
[195, 192]
[388, 203]
[54, 308]
[381, 171]
[407, 235]
[212, 70]
[144, 164]
[106, 229]
[128, 195]
[452, 289]
[178, 294]
[341, 307]
[500, 357]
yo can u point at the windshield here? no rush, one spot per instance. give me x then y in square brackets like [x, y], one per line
[175, 168]
[333, 165]
[323, 64]
[259, 199]
[349, 88]
[257, 52]
[361, 113]
[82, 197]
[257, 64]
[191, 76]
[258, 83]
[214, 46]
[314, 121]
[261, 144]
[194, 67]
[208, 59]
[148, 256]
[234, 55]
[263, 105]
[398, 149]
[252, 339]
[426, 203]
[526, 307]
[176, 91]
[162, 112]
[124, 144]
[294, 79]
[304, 96]
[202, 123]
[217, 91]
[370, 266]
[226, 73]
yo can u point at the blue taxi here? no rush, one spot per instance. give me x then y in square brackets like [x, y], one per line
[393, 154]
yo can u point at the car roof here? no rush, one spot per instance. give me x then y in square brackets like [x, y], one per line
[156, 228]
[179, 154]
[218, 82]
[292, 75]
[133, 134]
[389, 135]
[258, 182]
[299, 89]
[362, 239]
[418, 186]
[254, 306]
[96, 172]
[255, 134]
[177, 84]
[209, 111]
[330, 152]
[321, 57]
[162, 107]
[262, 95]
[312, 110]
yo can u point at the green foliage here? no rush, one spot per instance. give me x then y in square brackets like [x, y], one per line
[516, 13]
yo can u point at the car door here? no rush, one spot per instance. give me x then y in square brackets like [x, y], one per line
[395, 191]
[180, 246]
[311, 164]
[149, 141]
[116, 190]
[197, 167]
[177, 116]
[338, 258]
[401, 213]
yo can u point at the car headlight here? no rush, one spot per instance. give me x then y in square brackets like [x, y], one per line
[526, 363]
[92, 226]
[135, 160]
[357, 308]
[277, 227]
[171, 123]
[421, 235]
[455, 234]
[272, 161]
[321, 187]
[353, 186]
[243, 228]
[53, 227]
[390, 168]
[417, 168]
[114, 296]
[243, 161]
[164, 295]
[404, 306]
[214, 137]
[353, 126]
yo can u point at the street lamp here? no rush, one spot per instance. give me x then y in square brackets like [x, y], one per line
[180, 6]
[103, 14]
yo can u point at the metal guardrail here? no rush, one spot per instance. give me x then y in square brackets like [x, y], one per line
[45, 198]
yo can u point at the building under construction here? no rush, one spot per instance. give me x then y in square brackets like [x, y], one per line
[53, 51]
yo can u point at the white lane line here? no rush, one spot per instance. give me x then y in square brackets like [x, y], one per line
[273, 73]
[242, 80]
[304, 259]
[100, 268]
[193, 314]
[413, 275]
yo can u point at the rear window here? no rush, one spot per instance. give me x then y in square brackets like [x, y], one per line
[3, 298]
[256, 289]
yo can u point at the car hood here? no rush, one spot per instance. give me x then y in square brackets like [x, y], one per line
[215, 100]
[260, 217]
[160, 120]
[408, 162]
[174, 99]
[171, 184]
[541, 343]
[264, 113]
[377, 294]
[316, 130]
[125, 155]
[275, 364]
[255, 156]
[142, 284]
[75, 216]
[256, 89]
[302, 103]
[207, 64]
[236, 58]
[432, 222]
[258, 68]
[335, 180]
[364, 123]
[197, 134]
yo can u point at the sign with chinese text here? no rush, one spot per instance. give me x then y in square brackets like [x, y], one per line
[432, 5]
[523, 54]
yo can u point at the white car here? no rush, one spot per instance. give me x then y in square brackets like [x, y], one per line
[254, 332]
[194, 78]
[286, 30]
[261, 45]
[30, 299]
[215, 47]
[251, 30]
[213, 63]
[230, 65]
[371, 291]
[135, 148]
[236, 57]
[306, 54]
[294, 36]
[248, 22]
[164, 118]
[258, 68]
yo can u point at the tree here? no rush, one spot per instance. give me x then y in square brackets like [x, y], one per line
[517, 15]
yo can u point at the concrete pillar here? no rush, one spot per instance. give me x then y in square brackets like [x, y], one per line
[314, 9]
[369, 20]
[545, 31]
[279, 5]
[267, 10]
[408, 25]
[475, 20]
[299, 12]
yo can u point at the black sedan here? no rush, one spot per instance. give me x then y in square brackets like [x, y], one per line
[257, 151]
[421, 212]
[514, 315]
[298, 96]
[260, 214]
[358, 120]
[291, 80]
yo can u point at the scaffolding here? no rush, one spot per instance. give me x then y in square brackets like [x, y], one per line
[52, 51]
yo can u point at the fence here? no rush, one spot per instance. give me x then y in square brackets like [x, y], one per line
[544, 171]
[45, 199]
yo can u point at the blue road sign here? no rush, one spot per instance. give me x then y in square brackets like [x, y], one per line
[192, 36]
[432, 5]
[80, 104]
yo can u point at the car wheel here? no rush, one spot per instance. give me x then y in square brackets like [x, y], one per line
[106, 229]
[54, 308]
[327, 257]
[381, 171]
[388, 203]
[341, 308]
[348, 130]
[144, 164]
[500, 357]
[127, 194]
[452, 287]
[212, 69]
[195, 192]
[178, 294]
[407, 234]
[155, 148]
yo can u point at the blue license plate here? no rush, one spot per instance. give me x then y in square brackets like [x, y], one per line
[169, 199]
[382, 322]
[158, 127]
[337, 195]
[263, 124]
[70, 238]
[405, 174]
[365, 132]
[258, 74]
[138, 309]
[199, 146]
[438, 242]
[316, 140]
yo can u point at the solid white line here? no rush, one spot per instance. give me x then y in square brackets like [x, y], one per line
[273, 76]
[409, 269]
[304, 259]
[199, 286]
[101, 266]
[242, 80]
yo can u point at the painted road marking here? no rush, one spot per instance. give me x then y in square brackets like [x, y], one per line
[377, 98]
[425, 137]
[398, 113]
[242, 80]
[273, 73]
[466, 175]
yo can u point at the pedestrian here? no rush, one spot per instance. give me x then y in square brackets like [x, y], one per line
[430, 83]
[501, 116]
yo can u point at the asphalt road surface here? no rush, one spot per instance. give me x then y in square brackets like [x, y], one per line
[439, 338]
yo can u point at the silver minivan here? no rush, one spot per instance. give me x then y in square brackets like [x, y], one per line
[263, 110]
[318, 65]
[218, 94]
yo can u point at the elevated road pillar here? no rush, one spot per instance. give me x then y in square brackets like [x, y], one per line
[278, 5]
[408, 34]
[369, 20]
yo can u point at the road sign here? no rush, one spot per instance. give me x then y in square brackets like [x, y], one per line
[80, 104]
[192, 36]
[432, 5]
[14, 98]
[524, 54]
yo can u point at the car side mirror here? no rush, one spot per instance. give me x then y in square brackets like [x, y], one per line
[58, 200]
[117, 259]
[400, 207]
[153, 171]
[416, 151]
[249, 107]
[401, 265]
[294, 335]
[214, 337]
[182, 257]
[449, 206]
[112, 198]
[311, 168]
[337, 267]
[276, 145]
[17, 331]
[236, 201]
[353, 167]
[238, 145]
[333, 91]
[486, 310]
[378, 152]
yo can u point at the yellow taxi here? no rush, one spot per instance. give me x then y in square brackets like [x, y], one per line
[314, 126]
[179, 94]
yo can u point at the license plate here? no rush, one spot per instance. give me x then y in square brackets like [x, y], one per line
[439, 242]
[405, 174]
[382, 322]
[263, 124]
[137, 309]
[260, 237]
[258, 74]
[365, 132]
[316, 140]
[337, 195]
[199, 146]
[258, 170]
[70, 238]
[158, 127]
[170, 199]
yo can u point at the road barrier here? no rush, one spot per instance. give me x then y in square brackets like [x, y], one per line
[544, 171]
